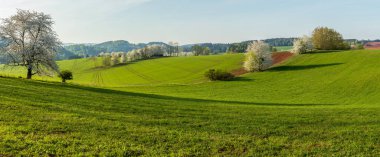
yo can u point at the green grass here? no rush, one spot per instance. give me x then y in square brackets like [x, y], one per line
[173, 70]
[283, 48]
[325, 104]
[323, 78]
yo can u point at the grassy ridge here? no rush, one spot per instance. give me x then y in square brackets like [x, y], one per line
[316, 104]
[46, 119]
[173, 70]
[349, 77]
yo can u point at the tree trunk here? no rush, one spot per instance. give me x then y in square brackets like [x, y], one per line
[29, 75]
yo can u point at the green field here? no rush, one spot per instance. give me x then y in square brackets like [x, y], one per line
[172, 70]
[283, 48]
[323, 104]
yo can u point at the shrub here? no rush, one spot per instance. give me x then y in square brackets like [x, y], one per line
[65, 75]
[218, 74]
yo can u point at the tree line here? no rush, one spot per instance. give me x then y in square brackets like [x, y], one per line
[87, 50]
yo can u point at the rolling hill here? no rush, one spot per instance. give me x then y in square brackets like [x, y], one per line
[348, 77]
[81, 50]
[171, 70]
[323, 104]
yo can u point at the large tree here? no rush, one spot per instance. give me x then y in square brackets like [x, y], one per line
[30, 42]
[327, 39]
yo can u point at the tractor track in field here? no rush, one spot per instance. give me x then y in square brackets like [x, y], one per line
[98, 78]
[191, 72]
[145, 77]
[188, 70]
[168, 65]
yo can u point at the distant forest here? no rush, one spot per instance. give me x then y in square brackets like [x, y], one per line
[85, 50]
[73, 51]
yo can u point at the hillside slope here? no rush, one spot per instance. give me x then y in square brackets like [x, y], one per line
[349, 77]
[171, 70]
[324, 104]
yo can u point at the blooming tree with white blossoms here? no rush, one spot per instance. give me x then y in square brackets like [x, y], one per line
[302, 45]
[258, 57]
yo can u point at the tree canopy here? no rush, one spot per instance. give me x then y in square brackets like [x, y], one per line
[325, 38]
[30, 41]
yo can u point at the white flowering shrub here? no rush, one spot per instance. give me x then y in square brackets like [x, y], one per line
[115, 58]
[258, 57]
[302, 45]
[123, 58]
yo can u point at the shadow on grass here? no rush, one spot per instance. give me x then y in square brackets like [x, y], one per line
[302, 67]
[242, 79]
[160, 97]
[326, 51]
[194, 100]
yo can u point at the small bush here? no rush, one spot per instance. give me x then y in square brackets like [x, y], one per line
[220, 75]
[66, 75]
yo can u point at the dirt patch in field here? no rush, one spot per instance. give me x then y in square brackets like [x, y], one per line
[276, 57]
[281, 56]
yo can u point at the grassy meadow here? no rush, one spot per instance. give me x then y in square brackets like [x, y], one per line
[171, 70]
[322, 104]
[348, 77]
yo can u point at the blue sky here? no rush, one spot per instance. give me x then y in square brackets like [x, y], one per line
[195, 21]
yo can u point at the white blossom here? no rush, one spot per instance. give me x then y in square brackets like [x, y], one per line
[258, 56]
[30, 42]
[302, 45]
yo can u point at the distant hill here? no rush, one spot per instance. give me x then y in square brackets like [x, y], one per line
[125, 46]
[109, 46]
[72, 50]
[241, 46]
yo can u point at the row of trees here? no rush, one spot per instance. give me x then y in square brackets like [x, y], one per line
[323, 38]
[259, 54]
[201, 50]
[150, 51]
[114, 58]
